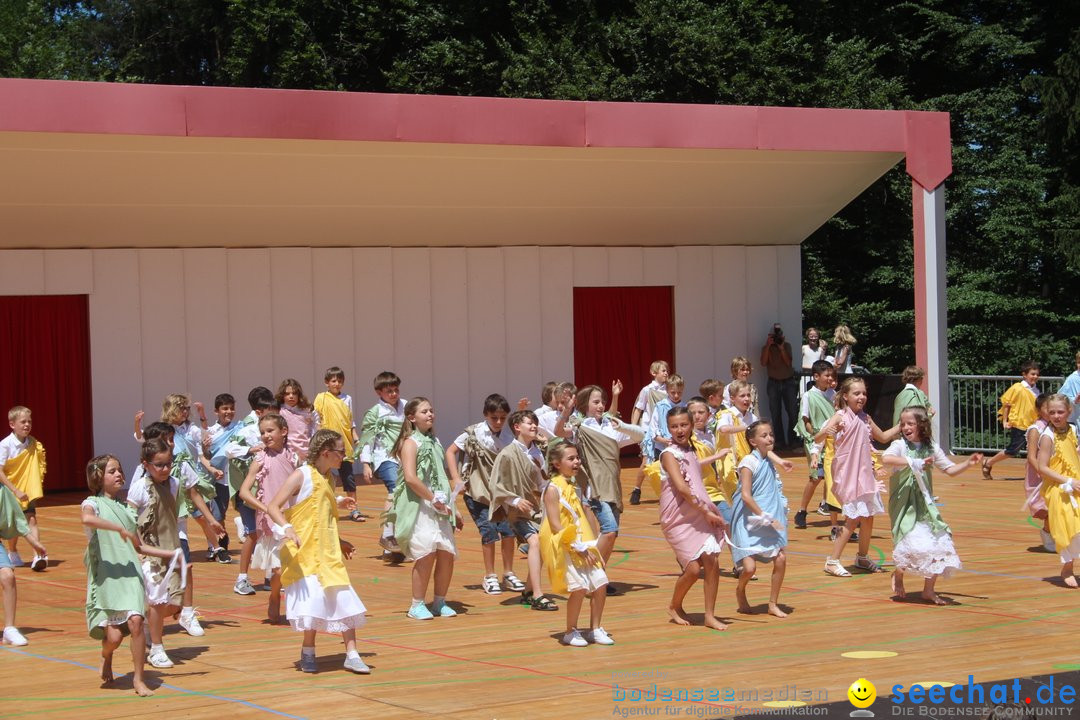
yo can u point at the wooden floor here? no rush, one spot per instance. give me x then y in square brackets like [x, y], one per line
[500, 660]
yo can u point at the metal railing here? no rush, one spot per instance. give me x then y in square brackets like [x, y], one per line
[974, 402]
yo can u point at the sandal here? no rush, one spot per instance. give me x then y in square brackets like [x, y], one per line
[543, 602]
[986, 471]
[512, 582]
[833, 567]
[357, 516]
[863, 562]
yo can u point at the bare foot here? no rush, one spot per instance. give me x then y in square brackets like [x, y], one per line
[933, 597]
[775, 610]
[744, 606]
[898, 584]
[713, 623]
[141, 690]
[106, 670]
[1070, 580]
[678, 615]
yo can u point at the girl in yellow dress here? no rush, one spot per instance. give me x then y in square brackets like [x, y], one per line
[1059, 466]
[568, 547]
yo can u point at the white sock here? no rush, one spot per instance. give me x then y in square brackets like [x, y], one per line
[307, 651]
[154, 648]
[241, 576]
[350, 654]
[187, 611]
[417, 603]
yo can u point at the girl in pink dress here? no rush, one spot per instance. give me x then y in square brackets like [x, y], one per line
[270, 469]
[690, 521]
[296, 409]
[854, 481]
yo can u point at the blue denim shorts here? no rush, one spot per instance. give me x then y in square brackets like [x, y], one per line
[523, 529]
[5, 561]
[247, 515]
[607, 515]
[725, 511]
[388, 473]
[187, 551]
[489, 531]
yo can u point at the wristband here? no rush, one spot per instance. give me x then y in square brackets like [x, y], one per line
[279, 530]
[340, 498]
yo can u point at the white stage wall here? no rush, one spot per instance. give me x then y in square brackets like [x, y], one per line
[455, 323]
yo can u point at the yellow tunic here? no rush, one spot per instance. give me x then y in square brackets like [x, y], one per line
[1063, 515]
[740, 448]
[335, 415]
[555, 547]
[830, 452]
[314, 519]
[1021, 402]
[26, 471]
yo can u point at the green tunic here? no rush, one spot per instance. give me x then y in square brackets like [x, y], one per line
[114, 579]
[908, 397]
[907, 503]
[12, 518]
[405, 504]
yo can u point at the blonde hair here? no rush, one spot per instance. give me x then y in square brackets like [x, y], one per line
[740, 363]
[845, 388]
[657, 364]
[407, 426]
[319, 442]
[842, 336]
[710, 387]
[676, 380]
[95, 471]
[171, 407]
[17, 411]
[556, 452]
[736, 386]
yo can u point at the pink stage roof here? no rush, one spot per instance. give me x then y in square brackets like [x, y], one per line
[123, 165]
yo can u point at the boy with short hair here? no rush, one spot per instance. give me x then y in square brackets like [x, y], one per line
[1017, 413]
[219, 435]
[644, 409]
[481, 444]
[816, 407]
[516, 478]
[659, 435]
[22, 470]
[333, 410]
[378, 432]
[562, 395]
[240, 450]
[911, 395]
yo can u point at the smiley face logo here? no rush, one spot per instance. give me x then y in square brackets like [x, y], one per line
[862, 693]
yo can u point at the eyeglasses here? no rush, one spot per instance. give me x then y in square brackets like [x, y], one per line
[161, 466]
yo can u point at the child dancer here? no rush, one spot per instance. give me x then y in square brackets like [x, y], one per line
[380, 428]
[153, 494]
[911, 395]
[294, 406]
[318, 595]
[741, 369]
[271, 468]
[423, 512]
[1017, 414]
[1059, 465]
[642, 414]
[334, 411]
[922, 542]
[13, 523]
[22, 470]
[657, 434]
[599, 437]
[691, 524]
[481, 444]
[568, 545]
[516, 481]
[1035, 503]
[759, 518]
[115, 593]
[221, 434]
[816, 407]
[854, 480]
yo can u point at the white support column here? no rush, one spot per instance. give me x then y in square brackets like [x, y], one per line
[931, 307]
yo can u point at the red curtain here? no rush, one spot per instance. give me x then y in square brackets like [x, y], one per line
[45, 345]
[618, 333]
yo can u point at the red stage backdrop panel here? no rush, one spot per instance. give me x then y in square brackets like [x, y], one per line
[618, 333]
[46, 367]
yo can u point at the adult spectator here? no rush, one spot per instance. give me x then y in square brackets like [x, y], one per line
[815, 349]
[843, 343]
[782, 388]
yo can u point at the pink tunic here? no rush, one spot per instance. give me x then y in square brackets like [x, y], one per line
[1032, 481]
[684, 526]
[301, 428]
[274, 470]
[853, 466]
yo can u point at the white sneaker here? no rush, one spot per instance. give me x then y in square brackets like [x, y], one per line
[243, 587]
[600, 637]
[159, 659]
[574, 639]
[240, 532]
[12, 636]
[39, 563]
[190, 623]
[15, 558]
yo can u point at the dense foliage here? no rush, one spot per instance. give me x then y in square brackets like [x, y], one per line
[1007, 70]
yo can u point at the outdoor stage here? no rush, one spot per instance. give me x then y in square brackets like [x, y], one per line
[497, 659]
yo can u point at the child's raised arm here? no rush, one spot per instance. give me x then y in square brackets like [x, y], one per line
[560, 425]
[138, 425]
[616, 391]
[883, 436]
[249, 482]
[960, 467]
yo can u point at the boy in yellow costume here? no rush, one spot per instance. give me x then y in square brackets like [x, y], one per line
[334, 411]
[1017, 414]
[23, 461]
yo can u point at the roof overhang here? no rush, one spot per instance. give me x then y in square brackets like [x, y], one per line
[109, 165]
